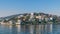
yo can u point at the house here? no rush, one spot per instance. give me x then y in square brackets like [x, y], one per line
[32, 15]
[12, 22]
[46, 19]
[2, 22]
[19, 22]
[51, 18]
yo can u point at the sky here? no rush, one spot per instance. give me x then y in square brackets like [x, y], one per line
[11, 7]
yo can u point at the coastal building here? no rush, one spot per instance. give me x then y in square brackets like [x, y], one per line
[20, 16]
[18, 22]
[51, 18]
[37, 17]
[40, 18]
[10, 22]
[32, 15]
[46, 19]
[2, 22]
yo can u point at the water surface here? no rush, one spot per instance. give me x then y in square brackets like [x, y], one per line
[30, 29]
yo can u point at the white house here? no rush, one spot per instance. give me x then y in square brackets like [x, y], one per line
[10, 22]
[51, 18]
[19, 22]
[32, 15]
[2, 22]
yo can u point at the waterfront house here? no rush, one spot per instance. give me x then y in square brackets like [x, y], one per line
[2, 22]
[51, 18]
[40, 18]
[18, 20]
[32, 15]
[10, 22]
[46, 19]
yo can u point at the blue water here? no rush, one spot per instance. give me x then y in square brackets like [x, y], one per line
[30, 29]
[56, 29]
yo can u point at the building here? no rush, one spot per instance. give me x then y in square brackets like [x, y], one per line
[32, 15]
